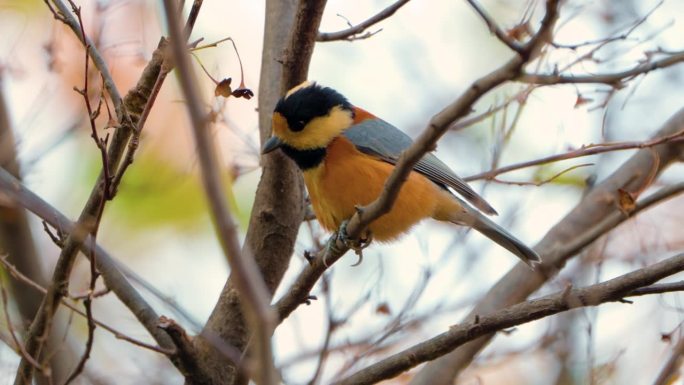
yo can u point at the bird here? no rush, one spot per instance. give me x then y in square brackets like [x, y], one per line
[346, 154]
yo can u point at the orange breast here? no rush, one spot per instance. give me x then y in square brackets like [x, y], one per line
[349, 178]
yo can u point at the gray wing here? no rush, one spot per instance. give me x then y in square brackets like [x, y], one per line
[380, 139]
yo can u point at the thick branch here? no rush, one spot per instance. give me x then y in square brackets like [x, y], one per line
[302, 41]
[289, 32]
[352, 33]
[246, 275]
[612, 290]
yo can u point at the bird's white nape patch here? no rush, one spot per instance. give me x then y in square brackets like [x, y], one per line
[301, 85]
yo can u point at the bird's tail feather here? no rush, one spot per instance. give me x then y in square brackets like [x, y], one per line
[499, 235]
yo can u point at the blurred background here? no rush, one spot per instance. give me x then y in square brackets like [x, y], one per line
[415, 63]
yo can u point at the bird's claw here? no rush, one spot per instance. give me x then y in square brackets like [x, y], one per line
[354, 244]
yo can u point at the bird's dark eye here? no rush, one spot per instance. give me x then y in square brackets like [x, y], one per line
[297, 125]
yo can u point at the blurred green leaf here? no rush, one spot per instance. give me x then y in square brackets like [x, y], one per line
[157, 193]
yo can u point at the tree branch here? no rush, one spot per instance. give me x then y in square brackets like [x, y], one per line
[613, 79]
[659, 289]
[254, 294]
[488, 323]
[352, 33]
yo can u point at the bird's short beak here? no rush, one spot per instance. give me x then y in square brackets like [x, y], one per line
[271, 144]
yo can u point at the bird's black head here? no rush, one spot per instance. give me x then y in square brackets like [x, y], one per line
[306, 120]
[307, 102]
[310, 116]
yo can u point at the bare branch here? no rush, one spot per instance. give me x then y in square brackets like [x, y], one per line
[484, 324]
[353, 33]
[185, 350]
[543, 181]
[245, 272]
[107, 195]
[613, 79]
[659, 288]
[17, 344]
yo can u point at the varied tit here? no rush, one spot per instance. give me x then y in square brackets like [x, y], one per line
[346, 154]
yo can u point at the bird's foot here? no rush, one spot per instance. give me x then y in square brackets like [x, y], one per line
[354, 244]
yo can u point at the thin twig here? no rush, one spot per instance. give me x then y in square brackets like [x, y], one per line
[658, 288]
[107, 195]
[352, 33]
[332, 324]
[62, 14]
[192, 18]
[17, 344]
[494, 28]
[615, 79]
[543, 181]
[590, 149]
